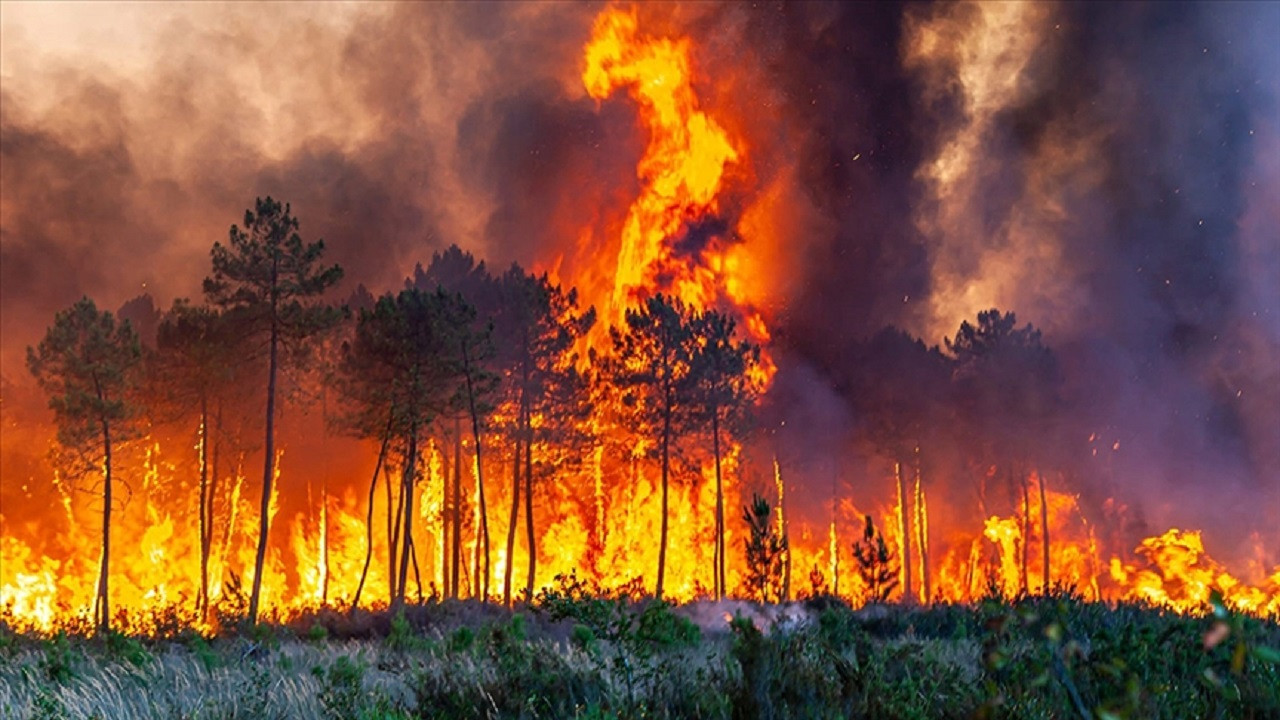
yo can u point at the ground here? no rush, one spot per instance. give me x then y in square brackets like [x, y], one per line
[573, 655]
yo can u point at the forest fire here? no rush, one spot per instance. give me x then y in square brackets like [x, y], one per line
[614, 419]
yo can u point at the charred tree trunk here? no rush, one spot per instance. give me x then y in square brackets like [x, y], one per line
[406, 500]
[268, 470]
[719, 552]
[666, 468]
[206, 547]
[515, 515]
[1044, 531]
[528, 507]
[904, 518]
[324, 543]
[784, 594]
[1024, 579]
[202, 599]
[446, 548]
[484, 511]
[922, 531]
[417, 576]
[393, 533]
[103, 602]
[368, 521]
[456, 562]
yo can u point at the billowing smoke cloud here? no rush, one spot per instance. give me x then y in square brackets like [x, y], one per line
[390, 129]
[1096, 180]
[1107, 172]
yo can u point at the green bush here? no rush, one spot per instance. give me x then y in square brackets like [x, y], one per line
[317, 633]
[126, 648]
[462, 639]
[57, 659]
[629, 657]
[401, 638]
[342, 688]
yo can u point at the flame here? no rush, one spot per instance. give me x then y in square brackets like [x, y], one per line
[682, 174]
[156, 560]
[1174, 570]
[683, 167]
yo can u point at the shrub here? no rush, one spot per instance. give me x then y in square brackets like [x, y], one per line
[342, 688]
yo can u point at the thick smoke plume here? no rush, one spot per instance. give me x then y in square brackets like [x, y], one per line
[1108, 172]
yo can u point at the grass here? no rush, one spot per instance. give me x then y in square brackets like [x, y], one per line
[574, 654]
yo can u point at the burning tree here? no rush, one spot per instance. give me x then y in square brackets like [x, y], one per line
[902, 388]
[650, 369]
[194, 368]
[721, 390]
[876, 564]
[538, 326]
[88, 365]
[271, 279]
[458, 272]
[399, 373]
[765, 548]
[1007, 384]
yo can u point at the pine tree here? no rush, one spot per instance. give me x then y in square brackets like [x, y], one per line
[721, 390]
[765, 549]
[649, 369]
[193, 369]
[537, 327]
[398, 374]
[272, 281]
[89, 366]
[877, 566]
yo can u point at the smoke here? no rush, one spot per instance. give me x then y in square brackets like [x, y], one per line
[391, 129]
[1102, 171]
[1107, 172]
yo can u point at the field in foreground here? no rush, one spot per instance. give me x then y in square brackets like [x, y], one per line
[574, 656]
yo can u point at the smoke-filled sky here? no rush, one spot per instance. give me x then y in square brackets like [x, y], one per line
[1110, 172]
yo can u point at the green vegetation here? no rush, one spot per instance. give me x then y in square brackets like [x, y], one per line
[577, 652]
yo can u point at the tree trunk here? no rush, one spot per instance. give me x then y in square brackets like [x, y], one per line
[456, 566]
[417, 576]
[528, 508]
[206, 541]
[268, 469]
[484, 511]
[324, 541]
[103, 603]
[446, 548]
[666, 467]
[368, 520]
[202, 599]
[406, 499]
[922, 532]
[719, 553]
[835, 547]
[1024, 578]
[784, 593]
[1044, 530]
[515, 512]
[393, 532]
[904, 499]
